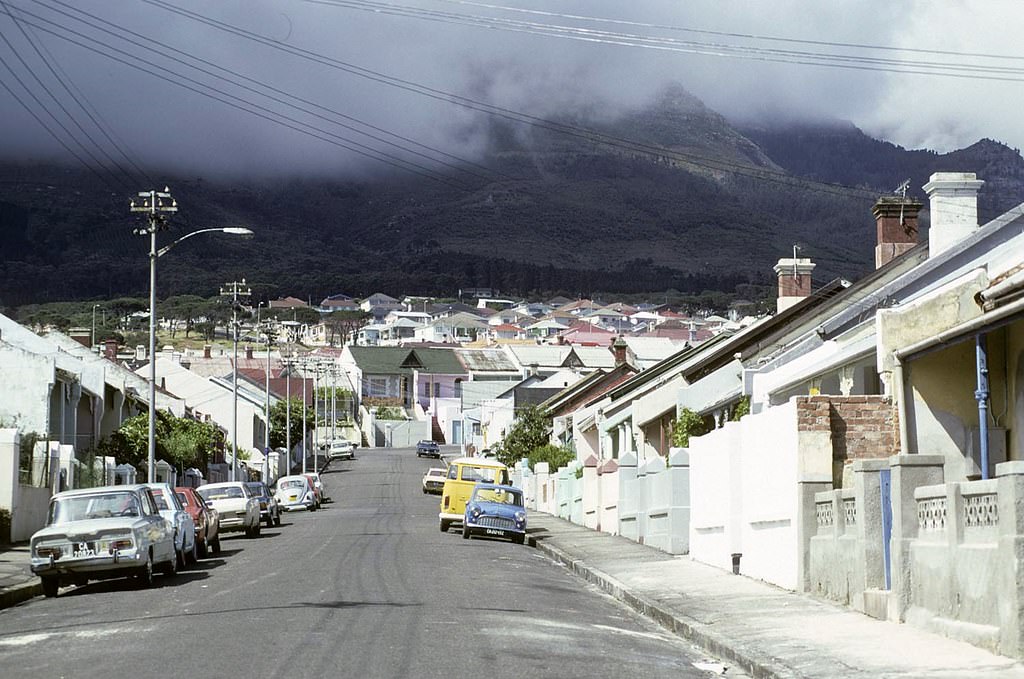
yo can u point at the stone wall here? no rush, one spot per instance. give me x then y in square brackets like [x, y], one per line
[859, 427]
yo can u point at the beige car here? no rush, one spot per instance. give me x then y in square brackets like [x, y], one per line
[433, 480]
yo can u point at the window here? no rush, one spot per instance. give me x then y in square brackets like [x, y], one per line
[377, 386]
[437, 389]
[458, 388]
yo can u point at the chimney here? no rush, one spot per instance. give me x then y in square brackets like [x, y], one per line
[110, 349]
[794, 280]
[693, 332]
[953, 200]
[81, 335]
[896, 226]
[248, 353]
[619, 347]
[140, 352]
[206, 351]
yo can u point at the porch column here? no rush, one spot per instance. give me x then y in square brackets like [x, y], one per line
[908, 473]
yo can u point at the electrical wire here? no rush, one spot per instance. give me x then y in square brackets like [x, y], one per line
[891, 65]
[147, 43]
[134, 61]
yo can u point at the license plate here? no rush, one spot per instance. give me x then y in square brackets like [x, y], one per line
[494, 531]
[83, 549]
[293, 498]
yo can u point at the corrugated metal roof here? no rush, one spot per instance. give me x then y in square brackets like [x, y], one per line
[486, 360]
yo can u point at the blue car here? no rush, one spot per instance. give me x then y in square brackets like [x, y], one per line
[495, 511]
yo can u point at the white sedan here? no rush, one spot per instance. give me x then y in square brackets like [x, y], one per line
[180, 521]
[239, 510]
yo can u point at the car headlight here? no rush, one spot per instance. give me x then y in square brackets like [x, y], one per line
[475, 512]
[520, 517]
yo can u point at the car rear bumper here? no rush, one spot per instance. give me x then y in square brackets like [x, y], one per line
[122, 560]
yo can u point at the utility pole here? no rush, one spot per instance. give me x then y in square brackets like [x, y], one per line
[234, 290]
[288, 416]
[156, 205]
[304, 409]
[266, 433]
[334, 401]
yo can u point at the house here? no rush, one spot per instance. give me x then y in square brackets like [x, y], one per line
[426, 382]
[506, 332]
[587, 334]
[488, 364]
[288, 303]
[379, 300]
[338, 302]
[460, 327]
[547, 359]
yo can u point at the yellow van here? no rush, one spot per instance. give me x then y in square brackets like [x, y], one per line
[463, 474]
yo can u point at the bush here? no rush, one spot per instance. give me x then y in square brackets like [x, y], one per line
[556, 456]
[688, 424]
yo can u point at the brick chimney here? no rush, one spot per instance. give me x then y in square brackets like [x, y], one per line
[618, 348]
[248, 353]
[110, 349]
[794, 280]
[896, 226]
[953, 198]
[206, 351]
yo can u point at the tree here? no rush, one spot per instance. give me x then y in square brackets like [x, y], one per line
[180, 441]
[530, 431]
[279, 420]
[343, 324]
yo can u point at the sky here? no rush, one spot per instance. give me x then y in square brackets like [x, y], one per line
[357, 86]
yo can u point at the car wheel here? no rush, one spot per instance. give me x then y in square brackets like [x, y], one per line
[215, 545]
[277, 519]
[192, 556]
[270, 521]
[465, 533]
[203, 548]
[445, 523]
[145, 573]
[50, 586]
[171, 567]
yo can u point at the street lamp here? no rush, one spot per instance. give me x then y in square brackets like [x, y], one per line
[93, 346]
[157, 204]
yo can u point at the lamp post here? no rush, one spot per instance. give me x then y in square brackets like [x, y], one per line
[233, 290]
[288, 418]
[157, 205]
[266, 433]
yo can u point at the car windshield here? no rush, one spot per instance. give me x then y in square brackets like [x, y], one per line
[161, 501]
[484, 474]
[222, 493]
[291, 483]
[255, 489]
[99, 506]
[183, 498]
[435, 472]
[501, 496]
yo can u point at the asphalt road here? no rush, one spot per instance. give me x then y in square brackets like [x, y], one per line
[367, 587]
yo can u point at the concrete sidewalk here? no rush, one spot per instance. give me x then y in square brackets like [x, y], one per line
[764, 630]
[17, 583]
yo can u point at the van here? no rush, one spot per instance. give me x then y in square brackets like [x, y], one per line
[463, 474]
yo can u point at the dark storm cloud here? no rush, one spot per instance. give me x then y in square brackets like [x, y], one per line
[163, 124]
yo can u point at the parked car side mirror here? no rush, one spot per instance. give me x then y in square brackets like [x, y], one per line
[209, 504]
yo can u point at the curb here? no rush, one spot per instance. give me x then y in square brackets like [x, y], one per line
[12, 596]
[695, 632]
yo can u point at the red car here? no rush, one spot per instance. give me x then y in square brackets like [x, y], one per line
[206, 519]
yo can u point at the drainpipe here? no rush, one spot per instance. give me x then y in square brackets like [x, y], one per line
[900, 393]
[981, 395]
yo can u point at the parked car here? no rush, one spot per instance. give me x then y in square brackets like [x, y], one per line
[427, 448]
[341, 449]
[270, 513]
[495, 511]
[239, 510]
[100, 533]
[463, 474]
[206, 520]
[433, 480]
[318, 486]
[181, 521]
[295, 493]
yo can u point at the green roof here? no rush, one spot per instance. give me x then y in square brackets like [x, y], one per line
[403, 360]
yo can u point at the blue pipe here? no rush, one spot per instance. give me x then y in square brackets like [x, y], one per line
[981, 395]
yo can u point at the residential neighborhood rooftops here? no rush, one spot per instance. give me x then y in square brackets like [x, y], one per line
[403, 360]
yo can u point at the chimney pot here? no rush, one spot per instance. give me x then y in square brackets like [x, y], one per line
[248, 353]
[896, 227]
[206, 351]
[619, 347]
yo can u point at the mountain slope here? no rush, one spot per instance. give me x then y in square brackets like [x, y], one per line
[671, 197]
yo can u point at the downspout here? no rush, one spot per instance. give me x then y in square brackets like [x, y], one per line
[981, 395]
[900, 393]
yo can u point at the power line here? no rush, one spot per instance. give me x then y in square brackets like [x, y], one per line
[891, 65]
[257, 110]
[149, 41]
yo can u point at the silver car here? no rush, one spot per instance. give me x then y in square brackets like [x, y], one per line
[100, 533]
[184, 527]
